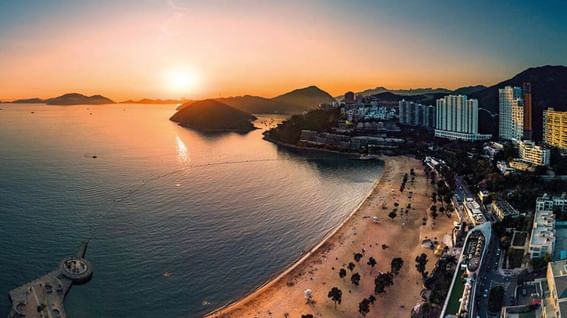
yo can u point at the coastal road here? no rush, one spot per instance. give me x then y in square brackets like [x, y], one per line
[490, 277]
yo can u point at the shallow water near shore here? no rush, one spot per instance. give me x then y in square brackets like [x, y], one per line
[217, 213]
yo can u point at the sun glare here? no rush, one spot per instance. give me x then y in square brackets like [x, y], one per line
[181, 80]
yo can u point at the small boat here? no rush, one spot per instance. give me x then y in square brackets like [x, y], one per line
[167, 274]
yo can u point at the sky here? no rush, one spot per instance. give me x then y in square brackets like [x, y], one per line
[132, 49]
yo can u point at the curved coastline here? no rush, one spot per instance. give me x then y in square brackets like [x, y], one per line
[227, 308]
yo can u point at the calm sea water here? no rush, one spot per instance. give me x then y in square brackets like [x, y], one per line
[222, 213]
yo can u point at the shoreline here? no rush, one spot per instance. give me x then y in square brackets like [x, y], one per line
[391, 237]
[219, 312]
[303, 148]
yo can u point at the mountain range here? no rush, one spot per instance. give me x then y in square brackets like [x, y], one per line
[419, 91]
[68, 99]
[296, 101]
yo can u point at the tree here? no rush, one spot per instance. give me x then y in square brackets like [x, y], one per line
[396, 265]
[357, 257]
[372, 299]
[307, 316]
[371, 261]
[496, 299]
[355, 279]
[420, 262]
[336, 295]
[364, 307]
[351, 266]
[342, 273]
[382, 281]
[392, 215]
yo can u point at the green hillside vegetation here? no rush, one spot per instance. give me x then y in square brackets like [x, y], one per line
[290, 130]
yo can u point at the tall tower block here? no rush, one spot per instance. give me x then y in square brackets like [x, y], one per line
[527, 90]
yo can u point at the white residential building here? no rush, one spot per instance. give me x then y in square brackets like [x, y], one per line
[542, 240]
[550, 202]
[534, 154]
[511, 116]
[457, 118]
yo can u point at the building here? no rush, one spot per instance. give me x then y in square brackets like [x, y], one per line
[528, 130]
[415, 114]
[511, 116]
[457, 118]
[349, 98]
[542, 240]
[502, 209]
[555, 300]
[555, 128]
[536, 155]
[474, 212]
[552, 202]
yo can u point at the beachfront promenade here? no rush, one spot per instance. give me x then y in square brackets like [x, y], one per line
[319, 269]
[43, 297]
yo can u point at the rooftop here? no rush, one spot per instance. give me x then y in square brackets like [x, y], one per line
[543, 232]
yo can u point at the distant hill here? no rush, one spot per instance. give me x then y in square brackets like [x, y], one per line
[156, 101]
[78, 99]
[296, 101]
[469, 90]
[309, 97]
[212, 115]
[549, 89]
[404, 92]
[29, 101]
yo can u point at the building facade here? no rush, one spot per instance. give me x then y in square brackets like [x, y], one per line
[542, 240]
[415, 114]
[536, 155]
[528, 130]
[552, 202]
[457, 118]
[511, 116]
[555, 128]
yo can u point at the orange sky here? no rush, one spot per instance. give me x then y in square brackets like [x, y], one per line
[265, 50]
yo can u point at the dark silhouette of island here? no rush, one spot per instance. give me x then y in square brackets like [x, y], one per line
[294, 102]
[211, 115]
[156, 101]
[68, 99]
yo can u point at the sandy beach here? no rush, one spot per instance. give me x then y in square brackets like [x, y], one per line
[319, 269]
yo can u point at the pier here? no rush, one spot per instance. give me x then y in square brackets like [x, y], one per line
[43, 297]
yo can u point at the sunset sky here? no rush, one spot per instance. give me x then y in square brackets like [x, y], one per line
[196, 49]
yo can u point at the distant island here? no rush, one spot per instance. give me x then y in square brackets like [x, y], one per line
[293, 102]
[211, 115]
[68, 99]
[156, 101]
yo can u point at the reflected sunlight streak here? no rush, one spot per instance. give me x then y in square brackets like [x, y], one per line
[182, 151]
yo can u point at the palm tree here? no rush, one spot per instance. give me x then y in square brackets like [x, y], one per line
[357, 257]
[372, 299]
[420, 262]
[336, 295]
[351, 266]
[372, 262]
[342, 273]
[396, 265]
[355, 278]
[382, 281]
[364, 307]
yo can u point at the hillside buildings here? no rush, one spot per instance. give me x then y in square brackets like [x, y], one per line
[457, 118]
[503, 209]
[533, 154]
[555, 128]
[542, 240]
[554, 304]
[511, 116]
[415, 114]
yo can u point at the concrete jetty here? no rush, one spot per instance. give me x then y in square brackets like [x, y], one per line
[43, 297]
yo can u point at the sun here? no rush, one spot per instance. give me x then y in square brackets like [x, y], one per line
[181, 80]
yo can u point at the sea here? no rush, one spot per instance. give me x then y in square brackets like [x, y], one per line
[178, 222]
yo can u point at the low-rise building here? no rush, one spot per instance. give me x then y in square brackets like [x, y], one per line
[534, 154]
[552, 202]
[555, 128]
[474, 212]
[484, 196]
[542, 240]
[503, 209]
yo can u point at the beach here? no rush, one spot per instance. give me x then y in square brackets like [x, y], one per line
[318, 270]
